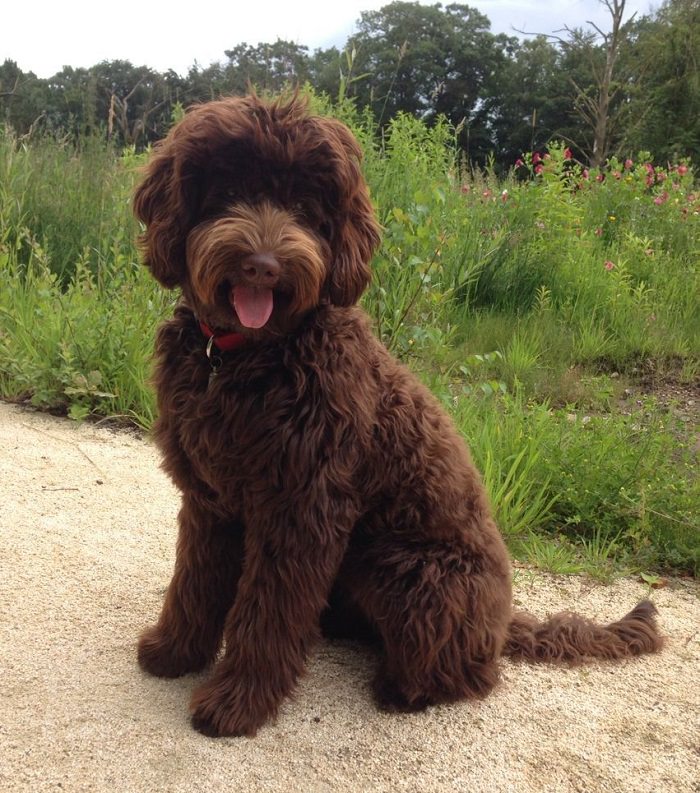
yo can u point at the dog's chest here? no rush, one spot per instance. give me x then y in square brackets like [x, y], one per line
[234, 429]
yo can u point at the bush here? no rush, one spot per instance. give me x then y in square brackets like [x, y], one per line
[523, 302]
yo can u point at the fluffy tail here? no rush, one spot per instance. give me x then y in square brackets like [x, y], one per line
[568, 638]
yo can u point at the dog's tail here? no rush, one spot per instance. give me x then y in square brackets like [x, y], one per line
[571, 639]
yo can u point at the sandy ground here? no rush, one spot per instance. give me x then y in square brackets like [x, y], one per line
[87, 530]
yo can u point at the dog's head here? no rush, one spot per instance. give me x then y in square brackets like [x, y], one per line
[259, 211]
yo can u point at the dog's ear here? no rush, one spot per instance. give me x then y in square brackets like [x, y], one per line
[355, 242]
[159, 205]
[356, 232]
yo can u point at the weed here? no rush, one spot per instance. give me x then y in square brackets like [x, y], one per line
[514, 300]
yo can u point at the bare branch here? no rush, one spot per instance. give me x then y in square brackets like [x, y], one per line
[13, 92]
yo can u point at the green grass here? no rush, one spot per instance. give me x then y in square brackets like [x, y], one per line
[529, 307]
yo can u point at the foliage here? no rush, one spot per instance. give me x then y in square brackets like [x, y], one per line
[531, 304]
[663, 113]
[503, 95]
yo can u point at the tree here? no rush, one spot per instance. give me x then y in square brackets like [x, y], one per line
[22, 97]
[596, 106]
[532, 103]
[589, 57]
[267, 67]
[133, 102]
[662, 113]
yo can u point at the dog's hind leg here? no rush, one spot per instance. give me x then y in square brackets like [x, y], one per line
[188, 633]
[442, 612]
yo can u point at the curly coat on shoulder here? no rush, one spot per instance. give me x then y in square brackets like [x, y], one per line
[323, 487]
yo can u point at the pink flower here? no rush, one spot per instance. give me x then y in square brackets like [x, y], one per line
[568, 154]
[519, 163]
[661, 199]
[486, 193]
[466, 189]
[629, 164]
[617, 174]
[600, 177]
[682, 170]
[609, 265]
[585, 173]
[661, 176]
[650, 168]
[650, 181]
[536, 158]
[539, 168]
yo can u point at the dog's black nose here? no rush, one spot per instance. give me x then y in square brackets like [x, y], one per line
[261, 269]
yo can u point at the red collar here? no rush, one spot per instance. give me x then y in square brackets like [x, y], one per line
[225, 341]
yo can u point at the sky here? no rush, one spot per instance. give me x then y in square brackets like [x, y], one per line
[42, 36]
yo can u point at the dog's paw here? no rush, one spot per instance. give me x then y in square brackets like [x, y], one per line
[389, 696]
[219, 709]
[160, 656]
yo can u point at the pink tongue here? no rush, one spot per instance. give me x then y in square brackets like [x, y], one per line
[252, 305]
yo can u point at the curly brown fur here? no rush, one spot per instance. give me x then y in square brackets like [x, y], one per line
[322, 484]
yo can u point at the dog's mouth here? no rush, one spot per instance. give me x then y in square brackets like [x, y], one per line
[255, 269]
[252, 304]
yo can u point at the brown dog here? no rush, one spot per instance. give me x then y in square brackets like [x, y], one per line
[322, 485]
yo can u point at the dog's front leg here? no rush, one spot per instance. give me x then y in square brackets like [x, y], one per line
[270, 629]
[188, 633]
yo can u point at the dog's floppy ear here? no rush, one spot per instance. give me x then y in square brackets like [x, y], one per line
[159, 204]
[356, 234]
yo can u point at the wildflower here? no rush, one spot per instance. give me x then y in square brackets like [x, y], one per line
[629, 164]
[519, 163]
[598, 232]
[682, 170]
[661, 199]
[486, 193]
[650, 168]
[504, 196]
[650, 181]
[600, 177]
[539, 168]
[617, 174]
[585, 173]
[466, 189]
[609, 265]
[612, 218]
[536, 157]
[661, 176]
[568, 154]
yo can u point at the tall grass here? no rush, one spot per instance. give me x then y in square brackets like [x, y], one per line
[523, 302]
[73, 204]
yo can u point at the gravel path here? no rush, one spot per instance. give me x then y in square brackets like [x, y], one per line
[87, 529]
